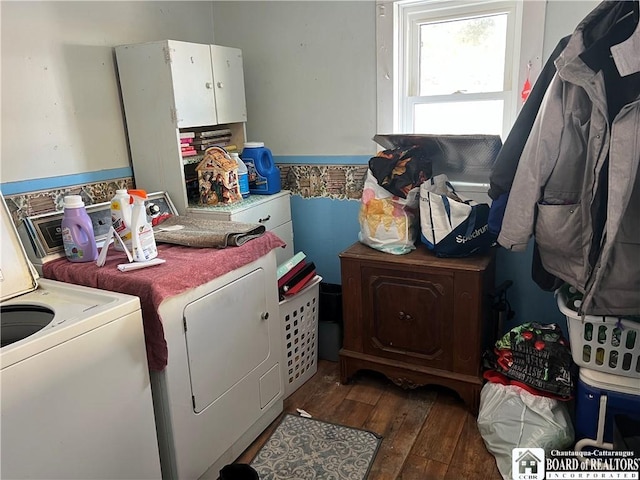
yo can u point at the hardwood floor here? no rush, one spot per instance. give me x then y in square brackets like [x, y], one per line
[428, 433]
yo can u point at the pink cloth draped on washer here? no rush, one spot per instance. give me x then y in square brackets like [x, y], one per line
[185, 268]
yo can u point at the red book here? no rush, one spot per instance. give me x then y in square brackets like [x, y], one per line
[189, 153]
[300, 277]
[291, 273]
[301, 284]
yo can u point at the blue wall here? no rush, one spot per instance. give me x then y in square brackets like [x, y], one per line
[323, 228]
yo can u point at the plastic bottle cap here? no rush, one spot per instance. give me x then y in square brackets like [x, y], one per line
[122, 191]
[254, 145]
[138, 193]
[73, 201]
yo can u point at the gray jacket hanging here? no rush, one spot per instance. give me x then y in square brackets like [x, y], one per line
[577, 187]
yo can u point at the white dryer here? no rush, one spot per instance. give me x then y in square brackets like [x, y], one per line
[75, 393]
[222, 385]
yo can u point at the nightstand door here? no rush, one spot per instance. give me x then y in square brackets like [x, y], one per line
[408, 316]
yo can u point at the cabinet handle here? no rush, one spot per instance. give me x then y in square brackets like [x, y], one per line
[264, 316]
[405, 316]
[266, 219]
[209, 85]
[220, 84]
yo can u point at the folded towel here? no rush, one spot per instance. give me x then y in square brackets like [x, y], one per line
[199, 232]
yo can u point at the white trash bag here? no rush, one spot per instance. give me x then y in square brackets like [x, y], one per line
[510, 417]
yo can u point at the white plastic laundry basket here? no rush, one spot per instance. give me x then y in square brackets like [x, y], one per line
[605, 344]
[299, 314]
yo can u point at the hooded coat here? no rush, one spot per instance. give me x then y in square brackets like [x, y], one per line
[577, 187]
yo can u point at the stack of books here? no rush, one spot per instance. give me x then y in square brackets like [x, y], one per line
[196, 142]
[294, 274]
[186, 144]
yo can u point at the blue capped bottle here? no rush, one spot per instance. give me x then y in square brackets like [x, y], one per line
[264, 176]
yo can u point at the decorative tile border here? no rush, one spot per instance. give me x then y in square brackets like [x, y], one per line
[46, 201]
[338, 182]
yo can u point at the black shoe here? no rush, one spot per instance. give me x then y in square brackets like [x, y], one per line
[238, 471]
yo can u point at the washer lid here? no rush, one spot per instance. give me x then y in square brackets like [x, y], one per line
[17, 274]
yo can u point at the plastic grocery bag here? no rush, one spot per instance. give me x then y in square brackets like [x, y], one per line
[388, 223]
[510, 417]
[451, 225]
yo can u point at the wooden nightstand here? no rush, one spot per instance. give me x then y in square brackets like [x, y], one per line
[417, 318]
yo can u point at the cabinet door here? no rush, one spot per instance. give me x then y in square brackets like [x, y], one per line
[228, 75]
[408, 316]
[192, 84]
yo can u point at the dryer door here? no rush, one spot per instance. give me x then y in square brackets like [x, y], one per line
[227, 337]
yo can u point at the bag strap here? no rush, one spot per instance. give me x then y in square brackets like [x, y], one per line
[453, 190]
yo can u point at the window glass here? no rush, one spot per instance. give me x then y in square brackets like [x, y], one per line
[481, 117]
[463, 56]
[455, 66]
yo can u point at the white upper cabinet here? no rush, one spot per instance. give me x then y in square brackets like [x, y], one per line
[204, 82]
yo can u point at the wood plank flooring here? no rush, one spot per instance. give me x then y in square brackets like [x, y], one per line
[428, 433]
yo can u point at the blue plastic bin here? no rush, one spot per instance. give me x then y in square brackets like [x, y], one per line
[621, 394]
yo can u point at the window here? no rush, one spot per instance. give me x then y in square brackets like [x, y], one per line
[455, 67]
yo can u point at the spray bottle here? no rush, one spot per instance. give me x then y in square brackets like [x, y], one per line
[121, 218]
[143, 241]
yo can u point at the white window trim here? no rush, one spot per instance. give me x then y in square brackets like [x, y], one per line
[526, 54]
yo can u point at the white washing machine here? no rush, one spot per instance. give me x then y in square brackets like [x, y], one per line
[75, 393]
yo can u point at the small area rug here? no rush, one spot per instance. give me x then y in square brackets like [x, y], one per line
[308, 449]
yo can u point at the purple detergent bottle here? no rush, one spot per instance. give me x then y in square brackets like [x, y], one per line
[77, 231]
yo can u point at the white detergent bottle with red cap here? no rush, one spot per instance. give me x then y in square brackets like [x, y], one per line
[77, 231]
[143, 241]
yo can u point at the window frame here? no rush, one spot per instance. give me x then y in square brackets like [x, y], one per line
[524, 46]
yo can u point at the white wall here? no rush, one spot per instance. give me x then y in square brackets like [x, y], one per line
[61, 111]
[309, 73]
[562, 17]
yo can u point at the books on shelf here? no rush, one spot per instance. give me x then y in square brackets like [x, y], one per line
[189, 153]
[203, 147]
[214, 133]
[187, 135]
[211, 140]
